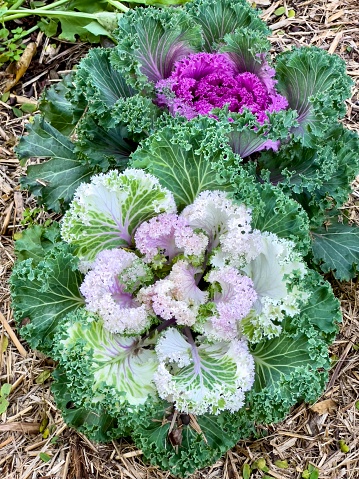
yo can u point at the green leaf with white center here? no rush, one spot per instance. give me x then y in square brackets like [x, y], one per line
[113, 361]
[214, 379]
[106, 212]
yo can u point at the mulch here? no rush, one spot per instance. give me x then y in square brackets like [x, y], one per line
[310, 435]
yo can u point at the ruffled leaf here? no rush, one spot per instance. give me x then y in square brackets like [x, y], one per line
[100, 83]
[35, 241]
[247, 49]
[322, 309]
[248, 136]
[58, 110]
[94, 422]
[213, 379]
[202, 441]
[280, 215]
[150, 41]
[53, 182]
[44, 292]
[316, 86]
[220, 17]
[279, 357]
[106, 212]
[186, 158]
[104, 147]
[109, 361]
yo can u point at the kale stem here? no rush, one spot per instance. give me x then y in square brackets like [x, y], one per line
[42, 12]
[188, 334]
[25, 33]
[118, 5]
[159, 328]
[52, 5]
[18, 4]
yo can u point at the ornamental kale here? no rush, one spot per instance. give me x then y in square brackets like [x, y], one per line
[174, 70]
[191, 310]
[195, 176]
[204, 81]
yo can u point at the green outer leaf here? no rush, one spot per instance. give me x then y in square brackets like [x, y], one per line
[278, 357]
[44, 141]
[247, 48]
[322, 309]
[220, 17]
[35, 241]
[45, 292]
[247, 135]
[311, 175]
[58, 110]
[150, 433]
[94, 421]
[316, 85]
[187, 158]
[336, 249]
[103, 147]
[53, 182]
[150, 41]
[282, 216]
[100, 83]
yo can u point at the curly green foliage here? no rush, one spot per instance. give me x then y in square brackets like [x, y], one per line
[316, 85]
[99, 83]
[218, 19]
[138, 113]
[321, 311]
[294, 366]
[58, 108]
[34, 242]
[188, 157]
[194, 449]
[247, 136]
[280, 215]
[150, 41]
[92, 420]
[311, 175]
[43, 292]
[103, 148]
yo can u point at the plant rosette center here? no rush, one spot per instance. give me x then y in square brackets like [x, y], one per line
[202, 284]
[204, 81]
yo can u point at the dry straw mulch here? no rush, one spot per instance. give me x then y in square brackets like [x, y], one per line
[310, 435]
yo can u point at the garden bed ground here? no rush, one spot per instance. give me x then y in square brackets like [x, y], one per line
[310, 435]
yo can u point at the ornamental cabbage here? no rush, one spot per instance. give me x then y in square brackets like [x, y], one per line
[195, 174]
[174, 322]
[150, 100]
